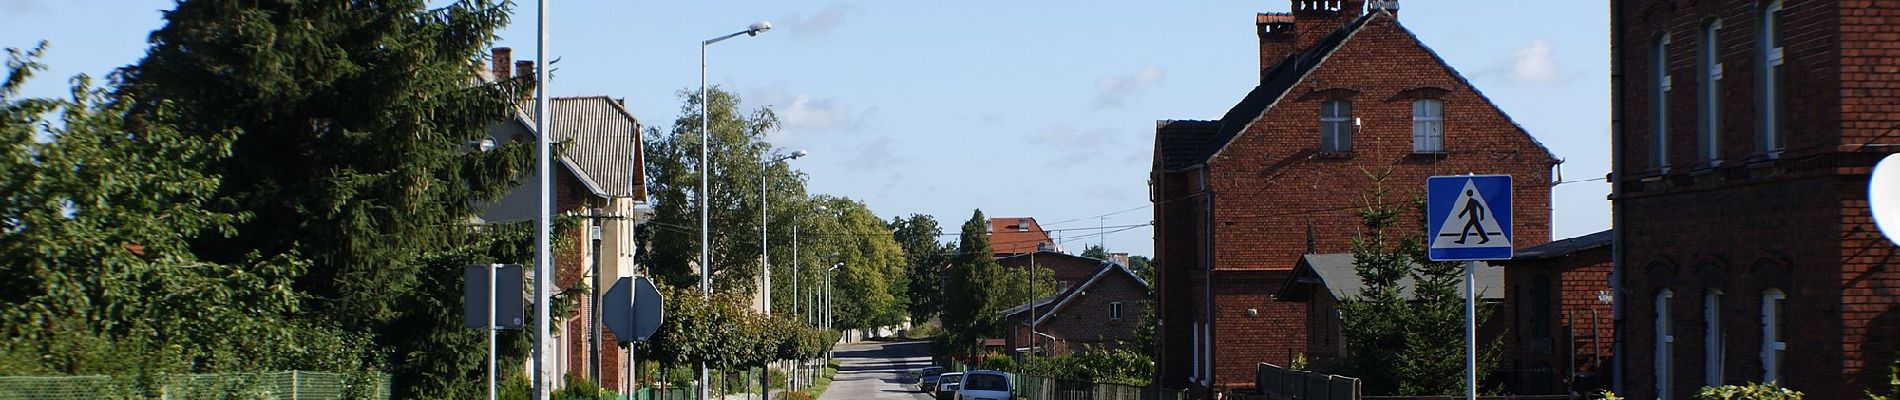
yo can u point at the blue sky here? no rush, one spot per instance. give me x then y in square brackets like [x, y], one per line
[1041, 109]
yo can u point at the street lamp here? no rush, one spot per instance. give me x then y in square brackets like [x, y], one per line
[765, 254]
[795, 266]
[705, 255]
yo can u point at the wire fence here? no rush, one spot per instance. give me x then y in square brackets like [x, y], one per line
[287, 385]
[1040, 388]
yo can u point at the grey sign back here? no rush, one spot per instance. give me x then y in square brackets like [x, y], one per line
[508, 296]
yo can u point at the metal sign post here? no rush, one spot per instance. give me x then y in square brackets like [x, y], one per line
[1468, 218]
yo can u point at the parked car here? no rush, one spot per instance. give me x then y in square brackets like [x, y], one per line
[927, 379]
[985, 385]
[947, 385]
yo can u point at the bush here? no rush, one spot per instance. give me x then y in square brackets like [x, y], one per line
[1753, 391]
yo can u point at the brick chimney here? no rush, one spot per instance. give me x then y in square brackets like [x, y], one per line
[1314, 19]
[1390, 6]
[503, 57]
[1277, 38]
[524, 68]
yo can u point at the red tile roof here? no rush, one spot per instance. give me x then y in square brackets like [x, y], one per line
[1016, 235]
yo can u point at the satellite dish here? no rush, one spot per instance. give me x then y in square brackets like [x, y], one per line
[1883, 196]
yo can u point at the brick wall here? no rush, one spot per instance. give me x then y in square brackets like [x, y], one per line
[1574, 315]
[1274, 190]
[1796, 222]
[1085, 320]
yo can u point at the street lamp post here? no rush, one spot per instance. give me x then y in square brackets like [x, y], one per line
[796, 271]
[765, 253]
[705, 255]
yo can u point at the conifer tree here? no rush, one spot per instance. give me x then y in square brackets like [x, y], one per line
[969, 296]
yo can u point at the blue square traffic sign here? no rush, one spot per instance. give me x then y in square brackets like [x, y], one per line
[1468, 217]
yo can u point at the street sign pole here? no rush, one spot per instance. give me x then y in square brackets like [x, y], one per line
[1471, 330]
[491, 330]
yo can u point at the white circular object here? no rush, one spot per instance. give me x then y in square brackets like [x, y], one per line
[1883, 196]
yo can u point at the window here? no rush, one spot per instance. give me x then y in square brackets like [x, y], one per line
[1335, 123]
[1772, 137]
[1115, 310]
[1713, 342]
[1774, 335]
[1710, 64]
[1428, 126]
[1659, 104]
[1195, 374]
[1663, 342]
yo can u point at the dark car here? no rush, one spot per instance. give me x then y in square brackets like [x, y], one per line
[927, 379]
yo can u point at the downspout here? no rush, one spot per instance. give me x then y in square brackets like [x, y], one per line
[1207, 289]
[1616, 197]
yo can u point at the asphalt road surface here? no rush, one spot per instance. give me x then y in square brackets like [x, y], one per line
[876, 370]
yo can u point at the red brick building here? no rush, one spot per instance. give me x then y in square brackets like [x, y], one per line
[1321, 281]
[1238, 200]
[1069, 270]
[1559, 311]
[1744, 133]
[1018, 235]
[1102, 309]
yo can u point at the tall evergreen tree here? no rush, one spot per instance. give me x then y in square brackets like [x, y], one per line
[969, 296]
[353, 124]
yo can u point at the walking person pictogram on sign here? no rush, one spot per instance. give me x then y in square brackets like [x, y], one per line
[1470, 217]
[1476, 211]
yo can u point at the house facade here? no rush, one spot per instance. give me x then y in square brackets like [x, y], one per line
[1559, 310]
[1344, 89]
[1321, 281]
[1743, 137]
[597, 178]
[1101, 310]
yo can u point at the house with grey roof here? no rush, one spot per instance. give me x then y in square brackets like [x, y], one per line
[1321, 281]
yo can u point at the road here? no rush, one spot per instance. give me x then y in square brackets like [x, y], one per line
[876, 370]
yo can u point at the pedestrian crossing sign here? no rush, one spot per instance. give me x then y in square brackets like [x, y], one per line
[1468, 217]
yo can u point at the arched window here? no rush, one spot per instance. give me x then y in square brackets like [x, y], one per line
[1335, 121]
[1709, 65]
[1428, 126]
[1774, 334]
[1713, 341]
[1659, 103]
[1771, 133]
[1663, 344]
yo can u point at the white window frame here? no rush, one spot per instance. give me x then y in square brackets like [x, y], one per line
[1773, 58]
[1195, 373]
[1660, 84]
[1663, 344]
[1335, 126]
[1115, 310]
[1428, 126]
[1773, 346]
[1714, 343]
[1710, 64]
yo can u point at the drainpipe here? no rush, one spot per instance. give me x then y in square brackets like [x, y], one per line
[1617, 86]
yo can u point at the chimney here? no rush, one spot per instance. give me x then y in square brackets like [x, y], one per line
[1314, 19]
[1390, 6]
[503, 57]
[524, 68]
[1276, 39]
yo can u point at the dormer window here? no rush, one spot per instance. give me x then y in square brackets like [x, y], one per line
[1335, 122]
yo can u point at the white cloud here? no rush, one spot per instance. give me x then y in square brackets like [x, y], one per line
[822, 22]
[20, 7]
[1534, 64]
[875, 155]
[1115, 91]
[802, 113]
[1066, 147]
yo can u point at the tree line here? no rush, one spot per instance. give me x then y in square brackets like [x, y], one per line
[289, 186]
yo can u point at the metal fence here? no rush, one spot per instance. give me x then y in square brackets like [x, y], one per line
[1274, 382]
[1040, 388]
[288, 385]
